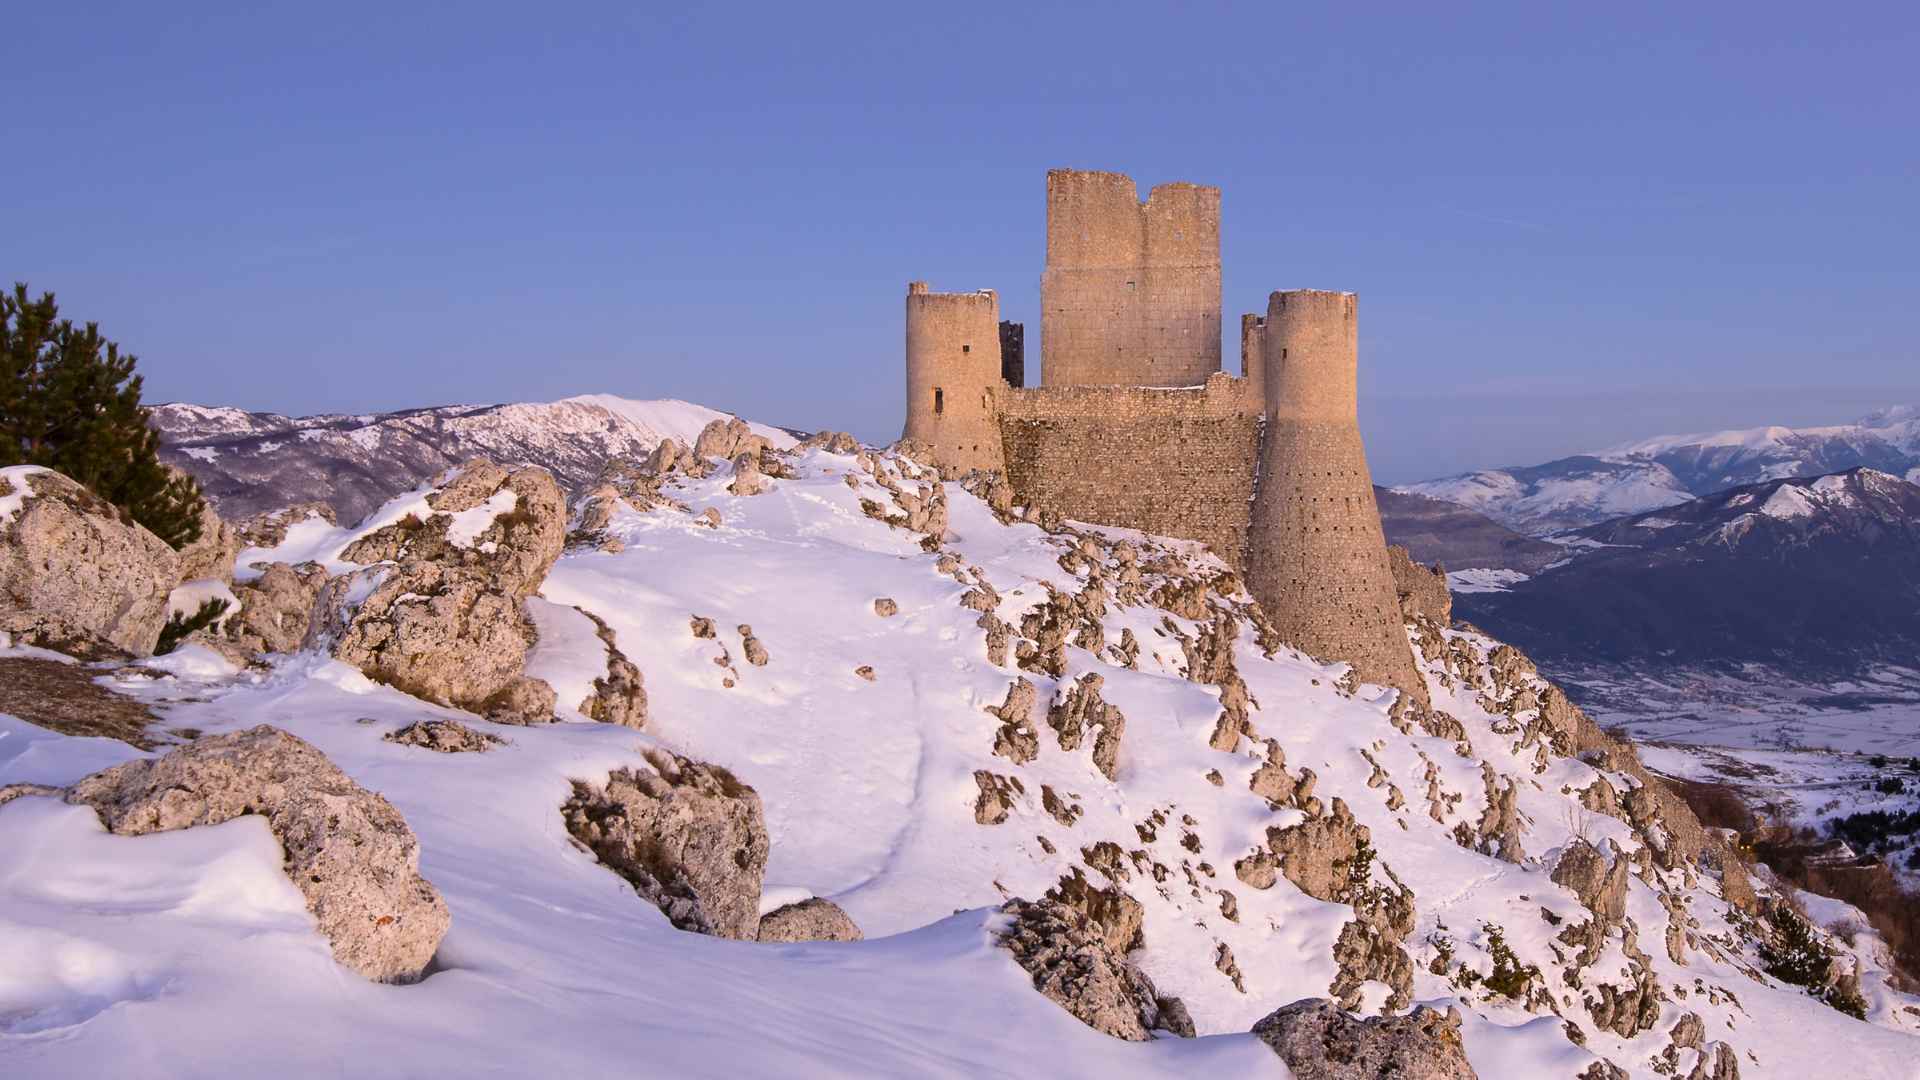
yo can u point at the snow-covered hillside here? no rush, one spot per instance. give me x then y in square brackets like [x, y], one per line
[1636, 477]
[903, 779]
[253, 462]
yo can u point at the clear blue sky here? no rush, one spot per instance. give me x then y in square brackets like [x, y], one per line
[1569, 224]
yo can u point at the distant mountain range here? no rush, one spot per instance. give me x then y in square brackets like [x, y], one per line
[1434, 531]
[1586, 489]
[1802, 575]
[249, 462]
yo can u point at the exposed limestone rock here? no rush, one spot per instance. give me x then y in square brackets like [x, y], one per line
[885, 607]
[1072, 964]
[1499, 829]
[75, 575]
[1604, 1070]
[747, 479]
[276, 610]
[710, 517]
[836, 442]
[702, 628]
[1601, 887]
[865, 671]
[997, 794]
[619, 696]
[445, 736]
[1079, 710]
[446, 624]
[515, 549]
[1017, 739]
[1631, 1009]
[1330, 858]
[347, 849]
[211, 554]
[1319, 1041]
[809, 920]
[999, 635]
[1422, 589]
[728, 439]
[448, 636]
[1120, 917]
[689, 836]
[755, 651]
[1272, 782]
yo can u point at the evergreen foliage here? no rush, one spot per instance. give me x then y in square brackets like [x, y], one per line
[180, 626]
[69, 401]
[1795, 954]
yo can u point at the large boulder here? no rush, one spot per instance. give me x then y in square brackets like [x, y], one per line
[1074, 965]
[509, 526]
[211, 554]
[812, 919]
[347, 849]
[442, 616]
[689, 836]
[75, 574]
[1320, 1041]
[275, 610]
[450, 636]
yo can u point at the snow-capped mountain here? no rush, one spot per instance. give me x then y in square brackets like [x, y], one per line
[1633, 478]
[1803, 575]
[250, 462]
[1436, 531]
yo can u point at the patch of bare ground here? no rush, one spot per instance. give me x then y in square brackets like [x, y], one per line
[64, 698]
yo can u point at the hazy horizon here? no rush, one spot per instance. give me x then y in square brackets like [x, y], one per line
[1566, 230]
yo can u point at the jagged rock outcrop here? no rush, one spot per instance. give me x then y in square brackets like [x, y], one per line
[813, 919]
[997, 795]
[1080, 710]
[511, 526]
[269, 529]
[1330, 857]
[448, 636]
[445, 737]
[347, 849]
[211, 554]
[1072, 964]
[75, 575]
[446, 623]
[747, 477]
[619, 696]
[1320, 1041]
[276, 610]
[728, 439]
[689, 836]
[1017, 739]
[1422, 589]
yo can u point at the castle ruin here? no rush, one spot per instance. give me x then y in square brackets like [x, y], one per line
[1134, 424]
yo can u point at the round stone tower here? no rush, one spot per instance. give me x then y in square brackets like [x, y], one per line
[953, 375]
[1317, 557]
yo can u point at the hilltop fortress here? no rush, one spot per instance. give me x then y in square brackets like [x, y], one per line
[1135, 425]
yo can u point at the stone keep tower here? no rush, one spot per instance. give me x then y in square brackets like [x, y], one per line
[954, 376]
[1316, 555]
[1131, 292]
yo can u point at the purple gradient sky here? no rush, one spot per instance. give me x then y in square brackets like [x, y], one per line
[1568, 227]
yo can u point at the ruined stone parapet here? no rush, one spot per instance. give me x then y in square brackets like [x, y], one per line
[953, 375]
[1253, 359]
[1317, 556]
[1131, 291]
[1165, 461]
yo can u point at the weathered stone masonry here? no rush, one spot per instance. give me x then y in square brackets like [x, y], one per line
[1134, 424]
[1172, 462]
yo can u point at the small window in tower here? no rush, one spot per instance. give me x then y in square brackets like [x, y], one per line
[1283, 354]
[939, 400]
[966, 348]
[1129, 286]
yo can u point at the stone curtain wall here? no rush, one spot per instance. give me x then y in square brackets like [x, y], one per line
[1172, 462]
[1131, 291]
[953, 374]
[1317, 555]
